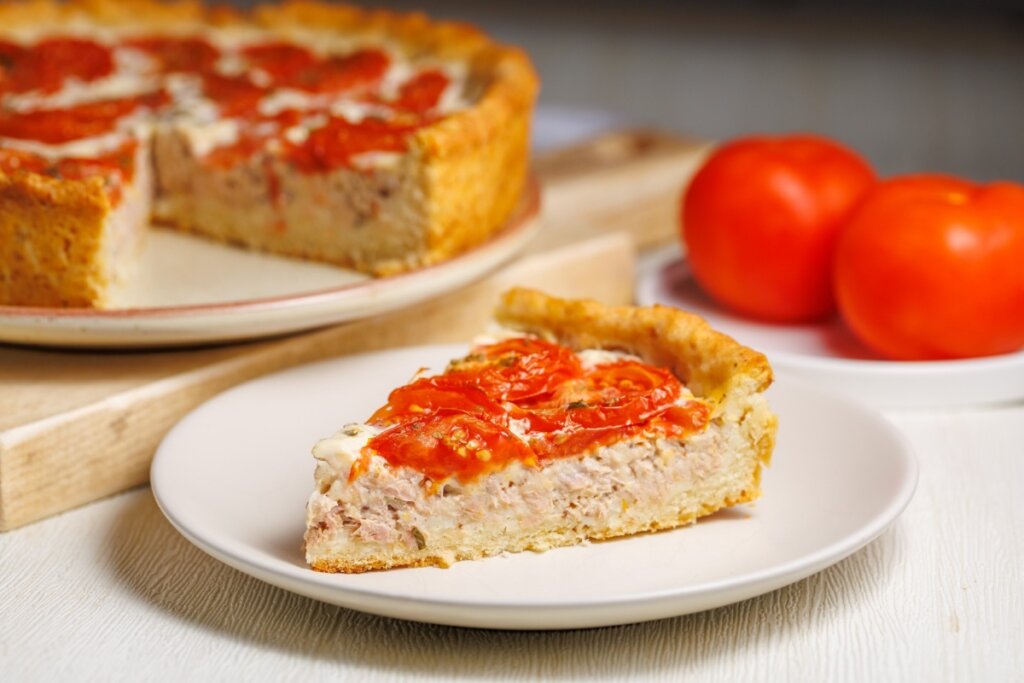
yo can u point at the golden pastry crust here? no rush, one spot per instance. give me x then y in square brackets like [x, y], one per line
[51, 240]
[471, 165]
[713, 365]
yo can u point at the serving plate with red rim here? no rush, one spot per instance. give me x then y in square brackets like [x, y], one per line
[828, 354]
[188, 291]
[234, 476]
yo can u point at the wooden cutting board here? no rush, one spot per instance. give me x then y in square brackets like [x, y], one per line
[77, 426]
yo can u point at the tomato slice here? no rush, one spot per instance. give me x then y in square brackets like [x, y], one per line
[10, 54]
[114, 167]
[548, 446]
[518, 368]
[436, 395]
[360, 69]
[422, 92]
[611, 395]
[119, 163]
[279, 60]
[12, 160]
[56, 126]
[334, 144]
[234, 95]
[177, 55]
[451, 445]
[46, 65]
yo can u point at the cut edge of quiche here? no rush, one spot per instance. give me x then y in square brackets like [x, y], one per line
[368, 513]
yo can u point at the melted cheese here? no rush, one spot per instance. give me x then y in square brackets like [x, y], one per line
[203, 139]
[84, 148]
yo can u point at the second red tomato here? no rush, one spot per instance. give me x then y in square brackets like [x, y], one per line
[760, 222]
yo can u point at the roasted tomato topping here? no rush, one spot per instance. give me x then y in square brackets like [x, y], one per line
[613, 395]
[114, 168]
[525, 399]
[436, 395]
[234, 95]
[359, 70]
[518, 368]
[279, 60]
[422, 92]
[56, 126]
[12, 160]
[334, 144]
[445, 445]
[47, 64]
[10, 55]
[177, 55]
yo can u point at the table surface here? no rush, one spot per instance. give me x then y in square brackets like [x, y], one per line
[111, 591]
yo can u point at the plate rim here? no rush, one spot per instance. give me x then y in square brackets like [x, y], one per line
[747, 585]
[527, 211]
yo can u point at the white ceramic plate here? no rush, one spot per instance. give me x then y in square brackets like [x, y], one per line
[191, 291]
[828, 355]
[234, 475]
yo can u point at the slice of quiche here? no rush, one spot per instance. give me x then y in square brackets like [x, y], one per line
[577, 421]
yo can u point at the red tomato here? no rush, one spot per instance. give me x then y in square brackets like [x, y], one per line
[932, 267]
[760, 220]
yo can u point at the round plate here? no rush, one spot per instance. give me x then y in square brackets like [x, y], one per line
[235, 474]
[827, 354]
[191, 291]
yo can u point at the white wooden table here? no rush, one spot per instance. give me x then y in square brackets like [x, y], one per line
[112, 592]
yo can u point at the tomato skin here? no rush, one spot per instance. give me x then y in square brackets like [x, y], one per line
[608, 396]
[423, 92]
[56, 126]
[760, 221]
[518, 368]
[932, 267]
[362, 69]
[444, 445]
[177, 55]
[436, 395]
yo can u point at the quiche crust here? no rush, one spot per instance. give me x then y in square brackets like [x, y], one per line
[462, 175]
[386, 517]
[51, 236]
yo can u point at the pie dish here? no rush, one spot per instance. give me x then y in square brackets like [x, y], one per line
[574, 422]
[378, 141]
